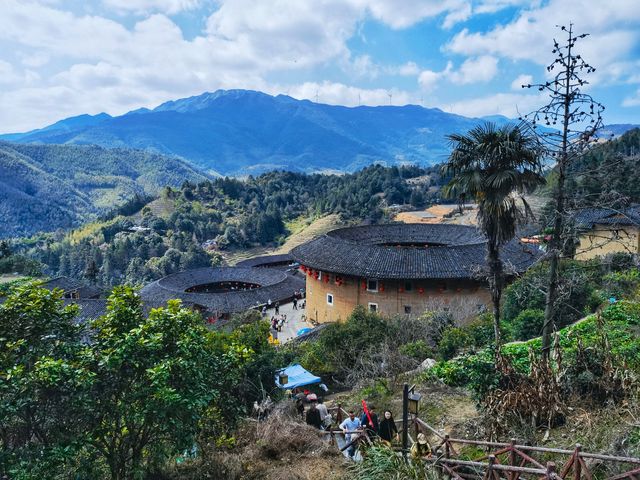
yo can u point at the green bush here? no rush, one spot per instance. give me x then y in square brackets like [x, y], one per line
[481, 330]
[528, 324]
[452, 341]
[622, 284]
[577, 282]
[418, 350]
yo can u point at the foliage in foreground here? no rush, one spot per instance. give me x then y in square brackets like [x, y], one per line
[117, 398]
[382, 463]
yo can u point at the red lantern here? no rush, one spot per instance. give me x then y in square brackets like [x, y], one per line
[420, 290]
[326, 279]
[401, 290]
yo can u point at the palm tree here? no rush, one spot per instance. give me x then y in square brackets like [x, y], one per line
[495, 166]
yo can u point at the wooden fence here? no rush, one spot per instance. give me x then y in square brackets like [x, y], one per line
[508, 461]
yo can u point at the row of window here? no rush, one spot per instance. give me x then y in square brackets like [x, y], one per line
[373, 286]
[373, 307]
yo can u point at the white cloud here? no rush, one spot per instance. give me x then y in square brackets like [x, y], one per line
[146, 6]
[614, 26]
[508, 104]
[409, 69]
[521, 80]
[473, 70]
[457, 16]
[632, 100]
[341, 94]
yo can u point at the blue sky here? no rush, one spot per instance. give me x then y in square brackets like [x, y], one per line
[60, 58]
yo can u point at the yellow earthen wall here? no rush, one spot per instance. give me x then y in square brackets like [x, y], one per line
[602, 241]
[462, 298]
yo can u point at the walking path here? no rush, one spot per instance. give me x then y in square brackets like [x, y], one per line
[294, 321]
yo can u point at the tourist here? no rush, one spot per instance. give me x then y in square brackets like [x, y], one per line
[300, 406]
[313, 416]
[269, 303]
[421, 448]
[264, 311]
[324, 413]
[350, 424]
[370, 425]
[277, 308]
[388, 430]
[295, 303]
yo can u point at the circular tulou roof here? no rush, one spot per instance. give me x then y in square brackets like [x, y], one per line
[275, 285]
[408, 251]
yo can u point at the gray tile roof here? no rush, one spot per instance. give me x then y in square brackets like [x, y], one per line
[408, 251]
[588, 217]
[267, 261]
[276, 286]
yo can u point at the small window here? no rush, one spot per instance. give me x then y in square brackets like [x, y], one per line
[408, 286]
[372, 285]
[407, 309]
[373, 307]
[329, 299]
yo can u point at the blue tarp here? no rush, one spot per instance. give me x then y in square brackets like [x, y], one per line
[302, 331]
[298, 377]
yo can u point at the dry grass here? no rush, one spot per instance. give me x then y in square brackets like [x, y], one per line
[278, 448]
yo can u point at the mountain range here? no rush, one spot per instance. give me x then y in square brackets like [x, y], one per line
[242, 132]
[46, 187]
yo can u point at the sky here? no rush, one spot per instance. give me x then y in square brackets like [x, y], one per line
[60, 58]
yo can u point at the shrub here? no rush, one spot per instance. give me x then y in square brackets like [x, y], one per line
[418, 350]
[528, 324]
[621, 284]
[481, 330]
[452, 341]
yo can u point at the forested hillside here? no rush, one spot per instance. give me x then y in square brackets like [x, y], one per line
[228, 213]
[609, 171]
[46, 187]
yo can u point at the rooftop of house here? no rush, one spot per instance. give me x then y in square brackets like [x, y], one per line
[409, 251]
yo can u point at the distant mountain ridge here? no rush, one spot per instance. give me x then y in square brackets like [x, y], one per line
[46, 187]
[244, 131]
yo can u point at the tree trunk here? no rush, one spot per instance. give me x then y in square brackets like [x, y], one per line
[496, 282]
[556, 239]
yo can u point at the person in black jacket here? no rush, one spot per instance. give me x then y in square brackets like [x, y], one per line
[388, 430]
[371, 426]
[313, 417]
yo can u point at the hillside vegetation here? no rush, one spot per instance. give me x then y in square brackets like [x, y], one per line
[258, 214]
[46, 187]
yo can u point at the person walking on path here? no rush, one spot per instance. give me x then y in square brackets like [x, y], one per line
[369, 420]
[350, 424]
[324, 413]
[295, 303]
[277, 308]
[388, 430]
[313, 416]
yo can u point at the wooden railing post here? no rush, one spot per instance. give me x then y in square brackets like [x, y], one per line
[577, 465]
[447, 451]
[512, 458]
[339, 414]
[551, 471]
[405, 421]
[489, 472]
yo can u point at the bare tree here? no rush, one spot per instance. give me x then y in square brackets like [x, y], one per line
[573, 117]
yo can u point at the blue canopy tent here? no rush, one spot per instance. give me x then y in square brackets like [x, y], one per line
[298, 377]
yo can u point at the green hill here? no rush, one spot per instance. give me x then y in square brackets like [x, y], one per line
[45, 187]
